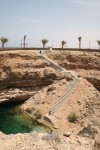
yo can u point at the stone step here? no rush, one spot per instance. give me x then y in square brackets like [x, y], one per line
[63, 98]
[50, 118]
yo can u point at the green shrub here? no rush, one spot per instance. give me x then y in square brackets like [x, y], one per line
[61, 58]
[27, 75]
[38, 115]
[72, 117]
[29, 110]
[15, 75]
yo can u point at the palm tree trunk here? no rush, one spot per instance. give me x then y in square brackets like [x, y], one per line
[24, 44]
[79, 44]
[2, 44]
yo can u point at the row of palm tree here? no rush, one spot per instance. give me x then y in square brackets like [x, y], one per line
[63, 43]
[44, 42]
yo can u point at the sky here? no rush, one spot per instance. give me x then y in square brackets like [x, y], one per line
[55, 20]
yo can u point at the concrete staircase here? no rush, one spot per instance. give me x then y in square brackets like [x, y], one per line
[52, 63]
[65, 96]
[50, 116]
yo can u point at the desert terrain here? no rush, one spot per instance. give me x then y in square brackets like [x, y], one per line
[26, 77]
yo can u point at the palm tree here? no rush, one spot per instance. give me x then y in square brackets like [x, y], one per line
[79, 38]
[24, 41]
[44, 42]
[3, 41]
[98, 41]
[63, 43]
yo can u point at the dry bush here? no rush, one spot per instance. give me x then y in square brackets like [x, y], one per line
[72, 117]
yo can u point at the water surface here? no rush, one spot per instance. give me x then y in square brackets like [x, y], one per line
[13, 120]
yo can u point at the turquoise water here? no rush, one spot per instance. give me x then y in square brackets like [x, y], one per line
[13, 121]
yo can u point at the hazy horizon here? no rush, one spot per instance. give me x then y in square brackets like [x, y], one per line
[55, 20]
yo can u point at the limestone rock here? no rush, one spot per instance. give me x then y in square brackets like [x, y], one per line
[67, 133]
[97, 143]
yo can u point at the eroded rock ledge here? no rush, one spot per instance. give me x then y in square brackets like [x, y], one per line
[14, 96]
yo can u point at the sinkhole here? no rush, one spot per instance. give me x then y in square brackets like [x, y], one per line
[13, 120]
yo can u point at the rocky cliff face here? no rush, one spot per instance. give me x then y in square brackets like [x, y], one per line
[87, 64]
[23, 70]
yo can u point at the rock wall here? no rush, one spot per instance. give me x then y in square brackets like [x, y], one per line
[87, 64]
